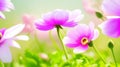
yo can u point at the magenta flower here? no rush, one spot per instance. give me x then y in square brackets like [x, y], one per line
[59, 18]
[7, 39]
[111, 26]
[79, 37]
[5, 5]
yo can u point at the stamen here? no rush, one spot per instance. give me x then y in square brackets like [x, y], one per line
[84, 41]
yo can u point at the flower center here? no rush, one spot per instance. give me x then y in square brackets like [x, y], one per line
[84, 41]
[0, 36]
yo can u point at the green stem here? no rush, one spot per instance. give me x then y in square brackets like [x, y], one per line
[58, 32]
[98, 54]
[114, 57]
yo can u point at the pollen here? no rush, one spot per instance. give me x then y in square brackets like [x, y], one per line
[84, 41]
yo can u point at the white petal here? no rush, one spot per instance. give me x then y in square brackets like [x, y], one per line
[13, 31]
[76, 15]
[96, 34]
[22, 37]
[2, 15]
[110, 17]
[80, 49]
[5, 54]
[15, 44]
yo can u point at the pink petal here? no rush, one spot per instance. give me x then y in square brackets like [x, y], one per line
[111, 27]
[91, 28]
[80, 49]
[47, 18]
[60, 16]
[70, 42]
[107, 4]
[79, 30]
[70, 24]
[5, 54]
[96, 34]
[13, 31]
[75, 15]
[44, 27]
[2, 15]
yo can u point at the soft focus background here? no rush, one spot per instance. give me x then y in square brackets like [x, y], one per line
[36, 8]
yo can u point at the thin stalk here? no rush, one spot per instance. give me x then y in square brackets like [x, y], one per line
[65, 51]
[98, 54]
[114, 57]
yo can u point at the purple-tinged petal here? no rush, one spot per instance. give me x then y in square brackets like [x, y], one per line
[2, 31]
[2, 15]
[96, 34]
[13, 31]
[15, 44]
[70, 24]
[59, 16]
[44, 27]
[111, 27]
[70, 42]
[75, 15]
[80, 49]
[5, 54]
[47, 18]
[91, 28]
[115, 10]
[6, 5]
[79, 30]
[12, 43]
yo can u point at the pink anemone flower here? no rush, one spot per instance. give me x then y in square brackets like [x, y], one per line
[5, 5]
[111, 26]
[7, 39]
[58, 17]
[80, 36]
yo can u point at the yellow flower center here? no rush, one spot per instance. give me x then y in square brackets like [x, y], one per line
[84, 41]
[0, 35]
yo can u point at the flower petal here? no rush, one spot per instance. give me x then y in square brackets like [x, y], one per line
[96, 34]
[80, 49]
[79, 30]
[2, 15]
[111, 27]
[5, 54]
[60, 16]
[15, 44]
[115, 10]
[13, 31]
[44, 27]
[70, 42]
[22, 37]
[70, 24]
[75, 15]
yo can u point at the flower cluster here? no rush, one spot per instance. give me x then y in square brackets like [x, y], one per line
[79, 37]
